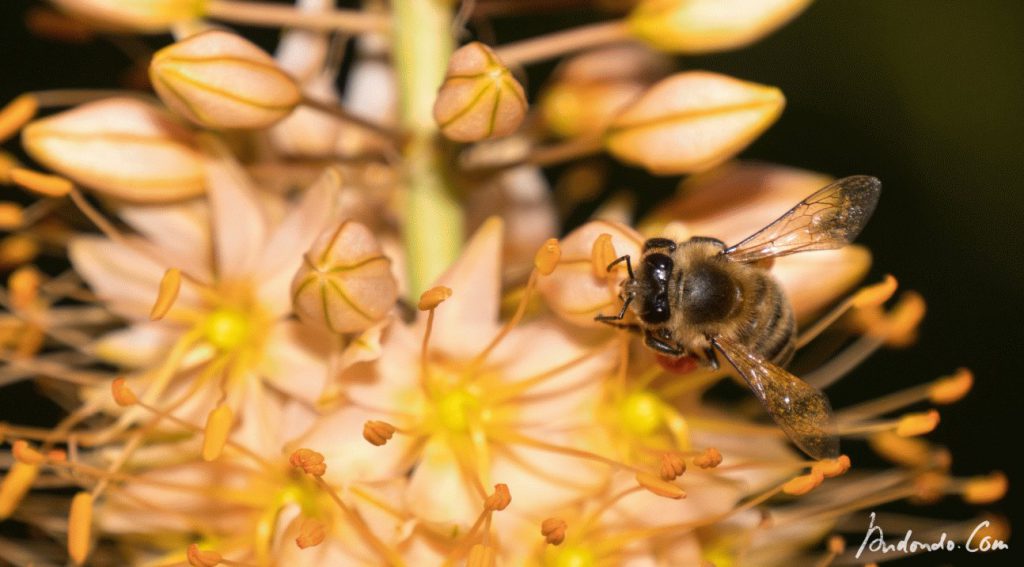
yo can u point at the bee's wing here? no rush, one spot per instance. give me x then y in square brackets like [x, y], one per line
[798, 408]
[830, 218]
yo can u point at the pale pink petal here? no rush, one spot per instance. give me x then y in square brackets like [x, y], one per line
[350, 457]
[140, 345]
[706, 497]
[295, 360]
[437, 492]
[181, 233]
[814, 280]
[239, 222]
[290, 240]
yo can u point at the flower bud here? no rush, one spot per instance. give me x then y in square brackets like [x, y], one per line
[701, 26]
[572, 290]
[479, 98]
[221, 80]
[120, 147]
[589, 90]
[692, 121]
[345, 283]
[151, 16]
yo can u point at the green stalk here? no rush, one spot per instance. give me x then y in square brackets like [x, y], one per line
[422, 34]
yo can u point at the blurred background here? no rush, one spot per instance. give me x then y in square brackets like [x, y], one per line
[924, 94]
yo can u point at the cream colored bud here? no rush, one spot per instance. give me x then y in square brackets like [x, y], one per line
[701, 26]
[345, 284]
[692, 121]
[220, 80]
[120, 147]
[150, 16]
[589, 90]
[479, 98]
[572, 290]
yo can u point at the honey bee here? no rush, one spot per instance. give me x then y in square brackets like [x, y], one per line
[703, 299]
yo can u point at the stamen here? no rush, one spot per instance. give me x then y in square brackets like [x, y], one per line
[869, 296]
[499, 499]
[311, 533]
[951, 389]
[914, 424]
[24, 453]
[830, 468]
[910, 452]
[170, 285]
[218, 425]
[201, 558]
[15, 485]
[945, 390]
[562, 43]
[515, 437]
[41, 183]
[12, 216]
[984, 489]
[601, 255]
[23, 286]
[804, 483]
[672, 466]
[659, 487]
[524, 301]
[546, 259]
[311, 462]
[80, 527]
[481, 555]
[553, 530]
[378, 432]
[709, 459]
[429, 301]
[16, 114]
[123, 395]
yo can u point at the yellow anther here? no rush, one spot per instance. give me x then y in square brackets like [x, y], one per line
[914, 424]
[832, 467]
[836, 544]
[24, 286]
[553, 530]
[24, 453]
[123, 395]
[378, 432]
[15, 485]
[170, 285]
[931, 486]
[709, 459]
[16, 114]
[546, 259]
[951, 389]
[201, 558]
[311, 533]
[11, 215]
[499, 499]
[311, 462]
[17, 249]
[985, 489]
[672, 466]
[41, 183]
[218, 425]
[433, 297]
[803, 483]
[602, 254]
[877, 294]
[902, 322]
[657, 486]
[80, 527]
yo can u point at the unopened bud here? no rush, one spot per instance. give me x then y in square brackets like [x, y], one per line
[547, 257]
[378, 432]
[692, 121]
[200, 558]
[345, 284]
[433, 297]
[709, 459]
[499, 499]
[660, 487]
[120, 147]
[672, 466]
[311, 533]
[702, 26]
[218, 426]
[553, 530]
[220, 80]
[123, 395]
[311, 462]
[80, 527]
[479, 98]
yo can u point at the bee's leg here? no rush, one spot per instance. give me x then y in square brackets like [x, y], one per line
[622, 312]
[629, 265]
[660, 345]
[712, 357]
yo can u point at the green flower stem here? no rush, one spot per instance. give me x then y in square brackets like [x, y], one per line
[422, 33]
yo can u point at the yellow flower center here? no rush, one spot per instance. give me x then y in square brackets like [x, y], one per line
[227, 328]
[457, 410]
[574, 557]
[641, 413]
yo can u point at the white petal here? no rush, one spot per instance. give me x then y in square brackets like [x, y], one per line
[438, 494]
[239, 223]
[180, 231]
[139, 345]
[350, 457]
[295, 360]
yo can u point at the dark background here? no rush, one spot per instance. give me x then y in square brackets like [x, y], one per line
[924, 94]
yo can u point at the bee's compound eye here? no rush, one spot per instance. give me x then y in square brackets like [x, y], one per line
[653, 243]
